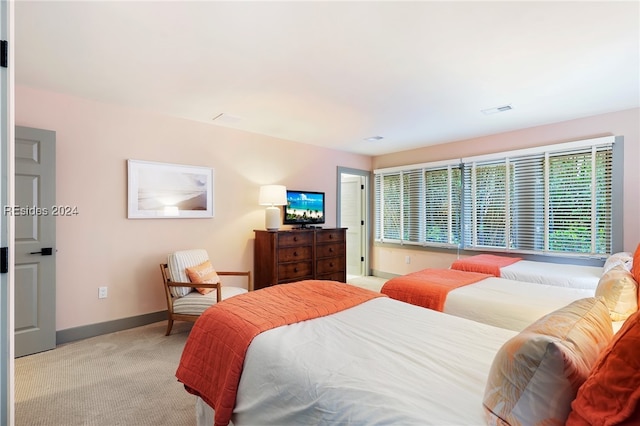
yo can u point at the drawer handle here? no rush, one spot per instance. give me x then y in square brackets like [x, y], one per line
[295, 269]
[330, 236]
[331, 264]
[295, 254]
[330, 249]
[295, 238]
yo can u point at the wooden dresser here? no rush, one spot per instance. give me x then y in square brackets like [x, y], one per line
[299, 254]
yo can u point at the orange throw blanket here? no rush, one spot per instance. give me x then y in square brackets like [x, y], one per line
[213, 356]
[484, 263]
[429, 288]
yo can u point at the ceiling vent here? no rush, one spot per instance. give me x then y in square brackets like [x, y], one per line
[497, 109]
[226, 118]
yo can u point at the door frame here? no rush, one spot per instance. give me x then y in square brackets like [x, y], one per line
[7, 123]
[366, 211]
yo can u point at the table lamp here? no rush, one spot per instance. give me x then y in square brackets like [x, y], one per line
[272, 196]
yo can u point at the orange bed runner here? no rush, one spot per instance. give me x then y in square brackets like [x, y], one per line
[429, 288]
[213, 356]
[484, 263]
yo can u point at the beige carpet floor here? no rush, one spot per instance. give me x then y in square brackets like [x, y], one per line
[125, 378]
[368, 282]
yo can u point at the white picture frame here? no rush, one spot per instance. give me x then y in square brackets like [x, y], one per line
[168, 191]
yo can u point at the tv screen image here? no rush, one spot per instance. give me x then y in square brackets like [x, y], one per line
[304, 207]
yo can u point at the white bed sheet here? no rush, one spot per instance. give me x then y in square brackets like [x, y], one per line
[508, 303]
[562, 275]
[380, 363]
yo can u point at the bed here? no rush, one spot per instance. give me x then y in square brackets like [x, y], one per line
[481, 297]
[381, 361]
[378, 362]
[514, 268]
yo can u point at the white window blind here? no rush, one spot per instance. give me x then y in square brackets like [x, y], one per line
[418, 204]
[553, 199]
[542, 202]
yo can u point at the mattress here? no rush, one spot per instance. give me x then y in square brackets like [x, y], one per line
[381, 362]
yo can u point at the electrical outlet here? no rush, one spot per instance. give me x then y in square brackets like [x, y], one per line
[407, 259]
[102, 292]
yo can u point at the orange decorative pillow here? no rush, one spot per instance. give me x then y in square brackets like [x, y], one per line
[611, 393]
[635, 266]
[203, 274]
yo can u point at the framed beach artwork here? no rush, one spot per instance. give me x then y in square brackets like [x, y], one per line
[161, 190]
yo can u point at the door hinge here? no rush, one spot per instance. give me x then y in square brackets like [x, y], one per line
[4, 260]
[4, 53]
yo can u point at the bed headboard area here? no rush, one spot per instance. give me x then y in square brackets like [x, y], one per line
[559, 363]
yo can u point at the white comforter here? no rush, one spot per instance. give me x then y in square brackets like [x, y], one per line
[562, 275]
[383, 362]
[509, 304]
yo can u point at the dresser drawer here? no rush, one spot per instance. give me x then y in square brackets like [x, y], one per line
[329, 250]
[294, 270]
[336, 276]
[295, 238]
[330, 235]
[292, 254]
[330, 265]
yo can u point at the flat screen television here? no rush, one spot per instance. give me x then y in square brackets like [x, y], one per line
[304, 208]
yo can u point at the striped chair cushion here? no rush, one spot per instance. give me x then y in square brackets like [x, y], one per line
[195, 303]
[178, 262]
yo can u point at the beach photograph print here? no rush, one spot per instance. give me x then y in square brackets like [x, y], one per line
[161, 190]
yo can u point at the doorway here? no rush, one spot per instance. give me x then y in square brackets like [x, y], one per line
[353, 214]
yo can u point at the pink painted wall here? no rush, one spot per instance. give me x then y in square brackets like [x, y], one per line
[101, 247]
[393, 260]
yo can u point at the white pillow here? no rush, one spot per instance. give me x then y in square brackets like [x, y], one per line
[536, 374]
[624, 259]
[619, 291]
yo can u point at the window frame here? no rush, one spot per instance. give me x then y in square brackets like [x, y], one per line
[615, 195]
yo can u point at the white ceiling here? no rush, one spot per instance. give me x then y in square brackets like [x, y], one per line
[334, 73]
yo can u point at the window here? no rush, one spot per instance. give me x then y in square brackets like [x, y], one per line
[553, 200]
[419, 204]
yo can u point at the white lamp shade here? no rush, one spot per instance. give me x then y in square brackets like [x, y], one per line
[273, 195]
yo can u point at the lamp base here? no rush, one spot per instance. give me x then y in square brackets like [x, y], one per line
[272, 218]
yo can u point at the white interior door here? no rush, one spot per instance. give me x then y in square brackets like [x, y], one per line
[34, 213]
[353, 216]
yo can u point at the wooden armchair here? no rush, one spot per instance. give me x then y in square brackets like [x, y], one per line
[187, 300]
